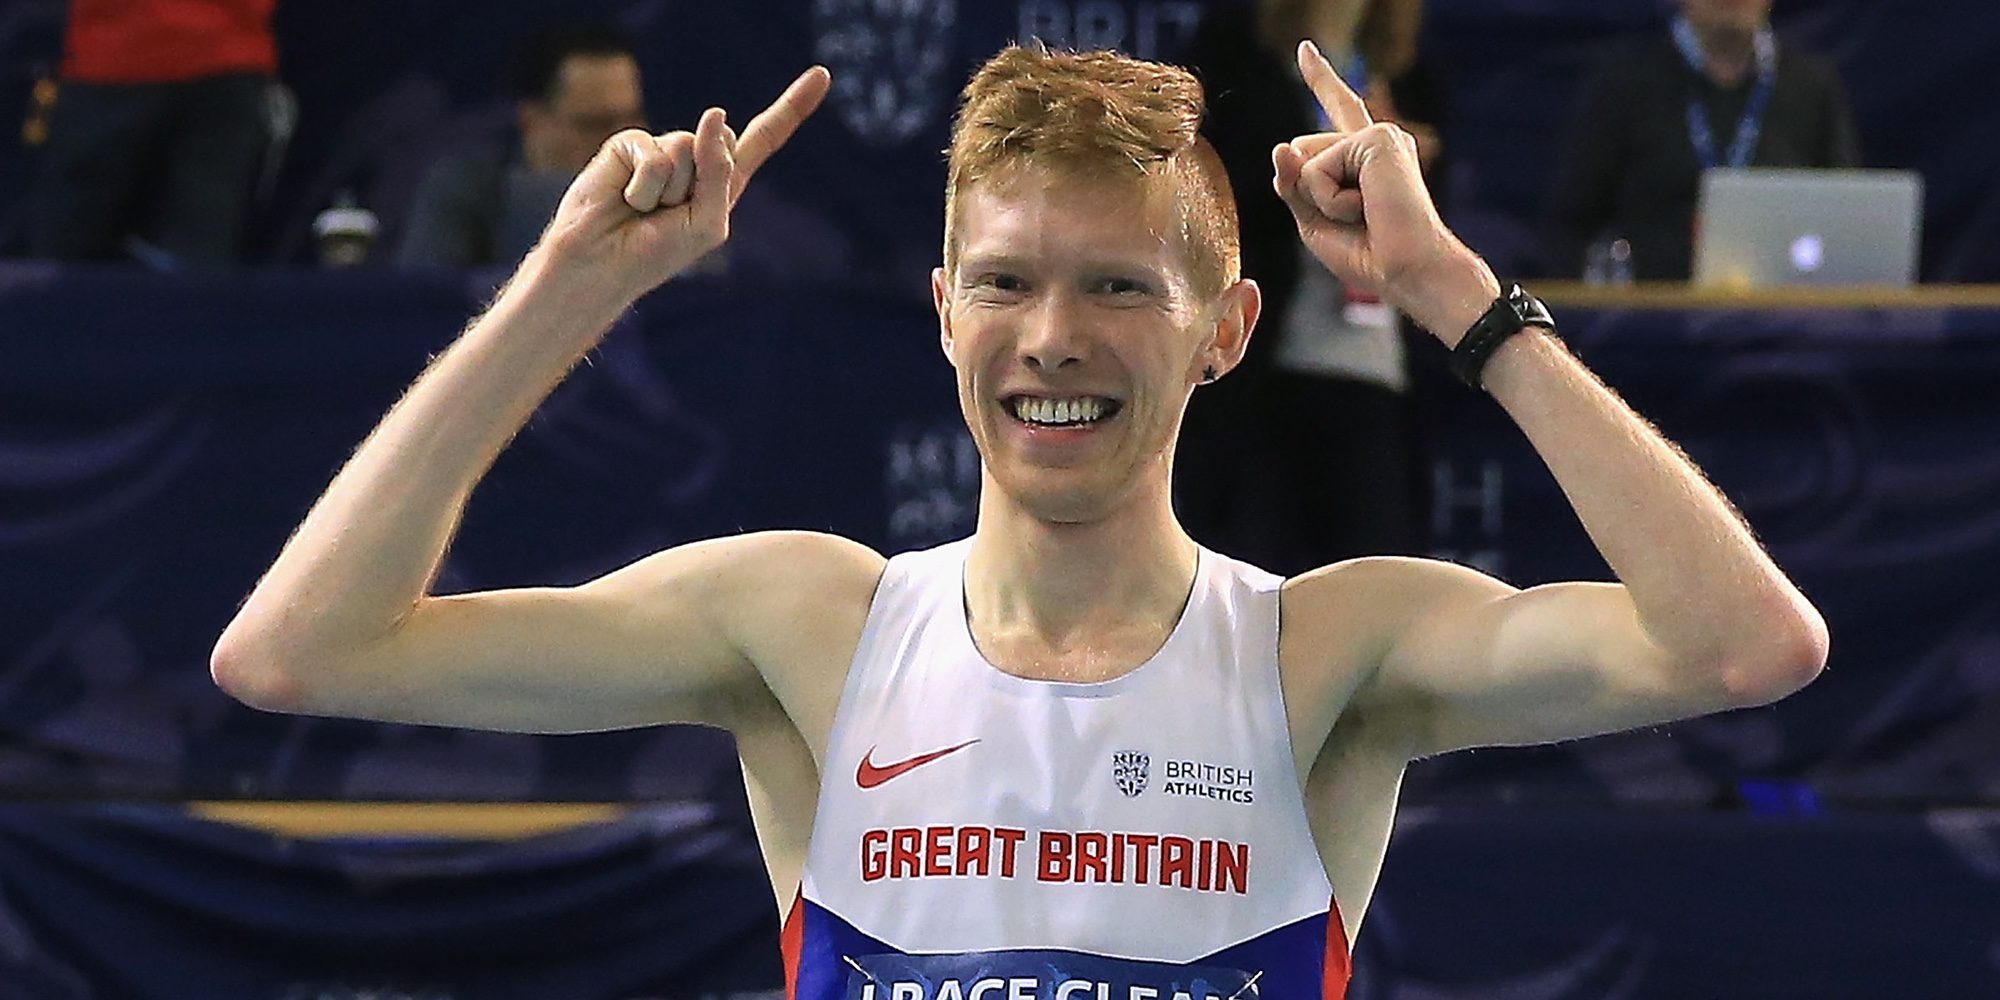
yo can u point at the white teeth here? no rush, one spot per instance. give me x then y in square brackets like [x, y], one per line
[1082, 409]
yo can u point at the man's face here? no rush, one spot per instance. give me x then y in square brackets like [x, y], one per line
[1076, 337]
[1727, 15]
[594, 97]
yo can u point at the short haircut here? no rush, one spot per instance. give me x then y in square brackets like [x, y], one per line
[538, 60]
[1097, 115]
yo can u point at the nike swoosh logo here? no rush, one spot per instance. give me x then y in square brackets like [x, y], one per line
[868, 775]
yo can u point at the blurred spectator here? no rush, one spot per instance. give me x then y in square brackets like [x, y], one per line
[1715, 90]
[164, 115]
[1306, 453]
[574, 85]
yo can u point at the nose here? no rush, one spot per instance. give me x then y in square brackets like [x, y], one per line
[1052, 338]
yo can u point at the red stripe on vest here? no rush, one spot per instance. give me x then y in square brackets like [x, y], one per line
[791, 940]
[1339, 964]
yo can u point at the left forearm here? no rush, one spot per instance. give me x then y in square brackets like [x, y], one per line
[1704, 589]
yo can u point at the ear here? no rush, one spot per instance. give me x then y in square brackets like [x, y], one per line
[1234, 315]
[941, 301]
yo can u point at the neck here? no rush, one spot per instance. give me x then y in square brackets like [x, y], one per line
[1064, 582]
[1727, 52]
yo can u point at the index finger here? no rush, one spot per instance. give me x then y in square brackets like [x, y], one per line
[775, 124]
[1342, 105]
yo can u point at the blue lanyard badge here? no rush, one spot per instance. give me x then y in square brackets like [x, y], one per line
[1700, 132]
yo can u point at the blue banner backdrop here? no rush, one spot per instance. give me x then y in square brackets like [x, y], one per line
[123, 903]
[135, 903]
[1860, 446]
[159, 438]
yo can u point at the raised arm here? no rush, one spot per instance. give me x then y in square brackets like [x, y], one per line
[343, 622]
[1700, 620]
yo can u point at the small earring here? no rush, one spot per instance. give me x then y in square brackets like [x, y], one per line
[1209, 374]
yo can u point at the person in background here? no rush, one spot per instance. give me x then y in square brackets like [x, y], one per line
[575, 85]
[1715, 90]
[163, 121]
[1307, 453]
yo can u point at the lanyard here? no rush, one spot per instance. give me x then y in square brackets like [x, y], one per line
[1700, 132]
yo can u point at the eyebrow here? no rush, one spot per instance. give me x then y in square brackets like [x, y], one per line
[996, 261]
[992, 262]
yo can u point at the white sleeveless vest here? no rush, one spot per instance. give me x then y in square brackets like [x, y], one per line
[984, 837]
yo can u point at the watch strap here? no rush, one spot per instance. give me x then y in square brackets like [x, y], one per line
[1509, 314]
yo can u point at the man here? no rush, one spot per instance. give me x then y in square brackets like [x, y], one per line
[1074, 753]
[574, 86]
[1716, 91]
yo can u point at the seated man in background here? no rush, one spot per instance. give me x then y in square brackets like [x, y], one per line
[1716, 91]
[576, 85]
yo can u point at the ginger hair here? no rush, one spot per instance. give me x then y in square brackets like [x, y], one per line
[1095, 115]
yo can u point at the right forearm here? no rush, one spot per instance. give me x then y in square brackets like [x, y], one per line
[369, 549]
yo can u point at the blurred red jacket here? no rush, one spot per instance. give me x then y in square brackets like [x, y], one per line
[167, 41]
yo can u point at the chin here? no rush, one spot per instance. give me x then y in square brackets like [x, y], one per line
[1058, 502]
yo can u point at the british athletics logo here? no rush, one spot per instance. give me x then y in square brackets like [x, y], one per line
[1129, 771]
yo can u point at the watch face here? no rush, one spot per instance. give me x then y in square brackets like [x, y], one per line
[1531, 310]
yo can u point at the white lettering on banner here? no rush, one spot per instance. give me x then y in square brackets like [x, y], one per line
[1485, 497]
[1149, 30]
[933, 484]
[1023, 988]
[888, 62]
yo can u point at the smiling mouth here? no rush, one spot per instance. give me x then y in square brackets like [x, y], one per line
[1069, 411]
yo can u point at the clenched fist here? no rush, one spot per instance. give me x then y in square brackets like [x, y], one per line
[1358, 196]
[648, 206]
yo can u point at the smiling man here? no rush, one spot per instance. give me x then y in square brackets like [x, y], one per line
[1074, 755]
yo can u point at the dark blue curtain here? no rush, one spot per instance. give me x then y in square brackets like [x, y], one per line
[143, 904]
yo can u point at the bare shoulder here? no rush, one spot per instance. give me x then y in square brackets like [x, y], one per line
[1360, 606]
[769, 591]
[792, 602]
[760, 569]
[1339, 623]
[1368, 602]
[805, 586]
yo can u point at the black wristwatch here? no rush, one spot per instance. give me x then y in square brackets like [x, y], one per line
[1508, 315]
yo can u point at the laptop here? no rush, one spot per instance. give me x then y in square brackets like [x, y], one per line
[1765, 226]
